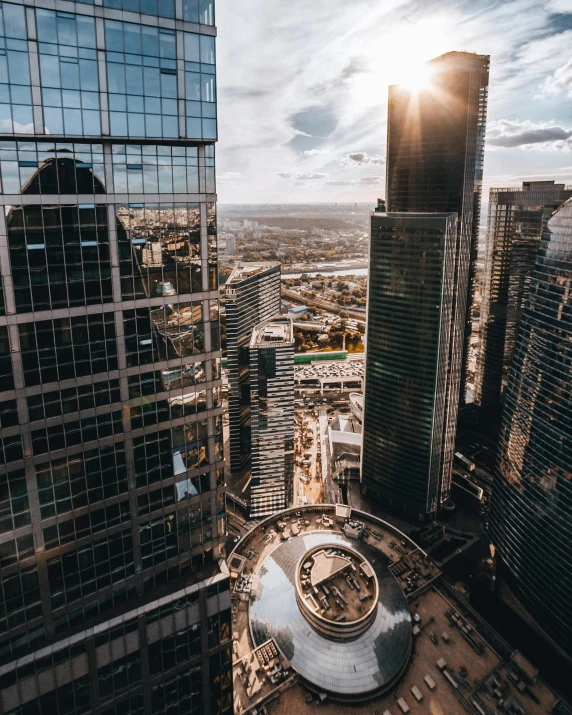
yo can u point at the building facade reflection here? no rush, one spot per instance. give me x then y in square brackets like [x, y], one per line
[531, 520]
[516, 220]
[113, 596]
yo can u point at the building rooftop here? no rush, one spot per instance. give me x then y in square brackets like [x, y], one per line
[277, 330]
[434, 652]
[347, 424]
[243, 270]
[356, 404]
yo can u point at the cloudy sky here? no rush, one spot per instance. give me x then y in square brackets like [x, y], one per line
[302, 90]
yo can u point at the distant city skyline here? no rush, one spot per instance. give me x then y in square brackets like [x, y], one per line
[303, 118]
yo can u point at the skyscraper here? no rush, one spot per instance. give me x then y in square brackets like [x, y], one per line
[272, 405]
[435, 146]
[113, 594]
[252, 295]
[408, 426]
[531, 518]
[516, 220]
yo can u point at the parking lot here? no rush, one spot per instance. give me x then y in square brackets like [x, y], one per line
[344, 374]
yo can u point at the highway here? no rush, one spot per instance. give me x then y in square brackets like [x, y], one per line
[324, 304]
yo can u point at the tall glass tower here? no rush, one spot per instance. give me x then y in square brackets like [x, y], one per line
[408, 426]
[252, 295]
[517, 218]
[531, 514]
[272, 416]
[113, 593]
[435, 146]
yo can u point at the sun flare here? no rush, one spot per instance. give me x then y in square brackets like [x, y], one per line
[416, 78]
[399, 57]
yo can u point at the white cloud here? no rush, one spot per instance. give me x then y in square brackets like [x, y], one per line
[301, 176]
[560, 6]
[313, 152]
[228, 178]
[510, 133]
[7, 126]
[560, 81]
[364, 181]
[299, 133]
[360, 157]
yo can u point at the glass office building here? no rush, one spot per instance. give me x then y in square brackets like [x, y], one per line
[408, 425]
[517, 218]
[113, 593]
[272, 416]
[252, 295]
[531, 511]
[435, 146]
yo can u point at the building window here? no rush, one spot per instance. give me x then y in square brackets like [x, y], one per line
[14, 506]
[156, 170]
[68, 72]
[160, 250]
[86, 478]
[142, 80]
[15, 87]
[83, 571]
[119, 676]
[59, 256]
[54, 350]
[200, 86]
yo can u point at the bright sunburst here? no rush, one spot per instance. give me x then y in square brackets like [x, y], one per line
[400, 57]
[417, 78]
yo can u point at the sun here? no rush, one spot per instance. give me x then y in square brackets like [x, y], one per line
[416, 78]
[399, 57]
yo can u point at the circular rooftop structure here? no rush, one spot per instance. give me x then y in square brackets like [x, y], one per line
[351, 651]
[337, 591]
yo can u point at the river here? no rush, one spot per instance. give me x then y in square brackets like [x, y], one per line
[328, 272]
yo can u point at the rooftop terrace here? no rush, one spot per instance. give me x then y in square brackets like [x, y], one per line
[455, 663]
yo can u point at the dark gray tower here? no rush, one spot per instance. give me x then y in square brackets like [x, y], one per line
[113, 592]
[252, 295]
[516, 220]
[272, 407]
[531, 517]
[408, 426]
[435, 146]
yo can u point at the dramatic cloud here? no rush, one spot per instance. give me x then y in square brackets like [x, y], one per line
[560, 81]
[364, 181]
[514, 133]
[302, 88]
[360, 157]
[560, 6]
[302, 176]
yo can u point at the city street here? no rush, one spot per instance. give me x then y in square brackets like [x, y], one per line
[307, 472]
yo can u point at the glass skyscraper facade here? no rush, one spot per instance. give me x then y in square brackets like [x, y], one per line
[517, 218]
[252, 295]
[408, 425]
[531, 510]
[435, 146]
[113, 593]
[272, 416]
